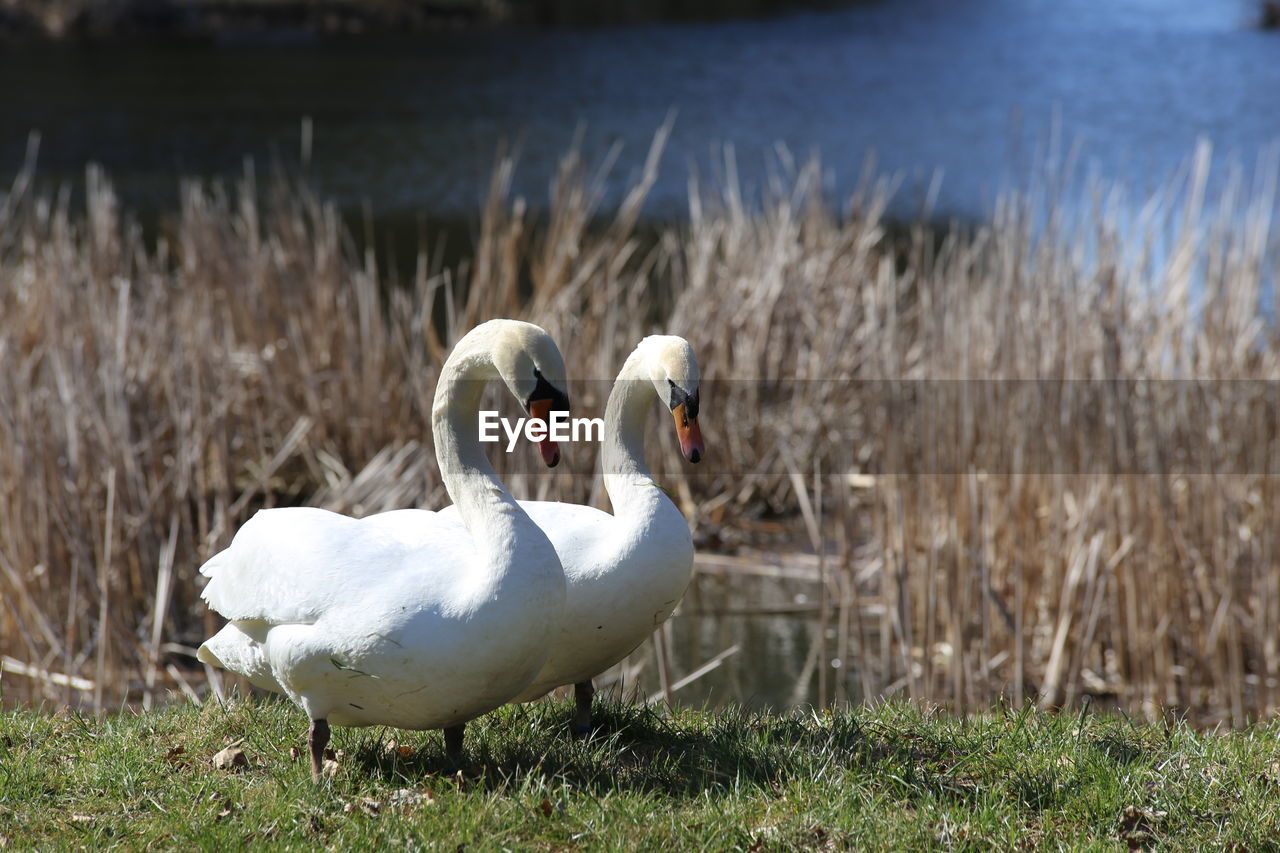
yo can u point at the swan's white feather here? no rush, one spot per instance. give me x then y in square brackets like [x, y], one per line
[623, 578]
[373, 621]
[292, 565]
[624, 573]
[403, 618]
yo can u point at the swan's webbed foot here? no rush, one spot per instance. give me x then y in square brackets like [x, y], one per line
[583, 692]
[318, 739]
[453, 743]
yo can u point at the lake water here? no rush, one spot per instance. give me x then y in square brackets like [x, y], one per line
[412, 126]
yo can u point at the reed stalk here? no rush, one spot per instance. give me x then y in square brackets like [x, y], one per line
[1047, 441]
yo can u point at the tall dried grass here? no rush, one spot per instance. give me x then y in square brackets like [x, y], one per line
[1024, 453]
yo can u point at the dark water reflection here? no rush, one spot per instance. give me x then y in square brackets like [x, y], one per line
[769, 669]
[413, 125]
[768, 628]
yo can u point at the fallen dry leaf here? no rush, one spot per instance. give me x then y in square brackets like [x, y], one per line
[226, 805]
[1137, 825]
[231, 758]
[393, 749]
[81, 818]
[329, 768]
[368, 805]
[294, 753]
[174, 752]
[406, 798]
[545, 807]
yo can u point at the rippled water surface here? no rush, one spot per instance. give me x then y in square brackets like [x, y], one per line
[413, 125]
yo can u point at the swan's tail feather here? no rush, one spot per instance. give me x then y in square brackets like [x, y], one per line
[210, 570]
[234, 650]
[211, 565]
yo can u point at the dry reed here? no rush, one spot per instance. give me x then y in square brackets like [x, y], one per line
[1031, 458]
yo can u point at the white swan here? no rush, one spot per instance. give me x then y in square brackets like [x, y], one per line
[624, 572]
[403, 618]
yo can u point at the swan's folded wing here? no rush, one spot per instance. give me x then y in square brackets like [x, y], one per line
[572, 528]
[238, 647]
[291, 565]
[583, 536]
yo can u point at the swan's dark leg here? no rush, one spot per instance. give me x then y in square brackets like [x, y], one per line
[453, 743]
[318, 739]
[582, 693]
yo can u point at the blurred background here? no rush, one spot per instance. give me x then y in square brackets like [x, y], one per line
[238, 237]
[404, 105]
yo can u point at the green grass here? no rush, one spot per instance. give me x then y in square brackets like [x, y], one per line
[889, 778]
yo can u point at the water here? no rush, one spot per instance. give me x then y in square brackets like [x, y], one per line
[771, 623]
[413, 126]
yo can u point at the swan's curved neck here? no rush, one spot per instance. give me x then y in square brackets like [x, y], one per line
[626, 474]
[468, 476]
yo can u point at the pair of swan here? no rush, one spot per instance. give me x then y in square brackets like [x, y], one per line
[424, 620]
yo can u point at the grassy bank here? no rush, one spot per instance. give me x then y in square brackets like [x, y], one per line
[884, 779]
[1035, 458]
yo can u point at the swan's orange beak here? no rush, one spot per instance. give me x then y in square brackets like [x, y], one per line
[689, 433]
[540, 410]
